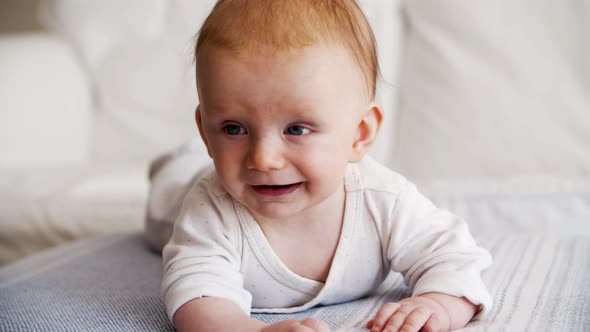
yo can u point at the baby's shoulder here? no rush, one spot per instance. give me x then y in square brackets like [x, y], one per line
[207, 200]
[206, 181]
[375, 177]
[205, 190]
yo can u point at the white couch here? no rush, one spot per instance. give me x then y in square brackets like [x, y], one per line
[487, 110]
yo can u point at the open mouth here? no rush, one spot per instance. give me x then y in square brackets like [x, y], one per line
[276, 190]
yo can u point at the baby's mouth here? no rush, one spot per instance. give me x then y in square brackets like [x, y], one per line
[276, 190]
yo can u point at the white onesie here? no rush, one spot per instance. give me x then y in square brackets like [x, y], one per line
[217, 249]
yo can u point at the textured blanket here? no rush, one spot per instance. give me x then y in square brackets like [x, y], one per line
[539, 283]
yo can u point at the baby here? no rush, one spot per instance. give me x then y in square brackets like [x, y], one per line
[294, 214]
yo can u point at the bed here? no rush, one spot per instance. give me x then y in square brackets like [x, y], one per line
[111, 283]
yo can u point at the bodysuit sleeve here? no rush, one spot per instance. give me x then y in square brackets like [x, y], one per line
[434, 250]
[203, 256]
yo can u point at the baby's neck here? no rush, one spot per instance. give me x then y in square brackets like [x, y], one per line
[306, 244]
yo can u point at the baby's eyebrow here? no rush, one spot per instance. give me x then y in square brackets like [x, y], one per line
[301, 110]
[216, 107]
[215, 116]
[220, 110]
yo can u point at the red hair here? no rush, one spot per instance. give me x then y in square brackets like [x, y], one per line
[245, 25]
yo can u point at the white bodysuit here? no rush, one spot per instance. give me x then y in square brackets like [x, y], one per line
[217, 249]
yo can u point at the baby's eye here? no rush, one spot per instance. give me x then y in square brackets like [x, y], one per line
[298, 130]
[234, 129]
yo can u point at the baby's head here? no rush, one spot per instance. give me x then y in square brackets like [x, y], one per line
[286, 92]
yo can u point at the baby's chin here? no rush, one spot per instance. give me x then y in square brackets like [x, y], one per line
[274, 211]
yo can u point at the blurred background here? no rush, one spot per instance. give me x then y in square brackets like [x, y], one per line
[18, 15]
[487, 109]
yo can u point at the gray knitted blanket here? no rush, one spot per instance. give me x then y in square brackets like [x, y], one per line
[539, 283]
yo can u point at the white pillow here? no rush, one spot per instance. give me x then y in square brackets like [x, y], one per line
[494, 89]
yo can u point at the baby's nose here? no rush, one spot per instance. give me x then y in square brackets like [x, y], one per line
[265, 156]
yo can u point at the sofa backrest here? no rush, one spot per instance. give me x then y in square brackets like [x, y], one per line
[493, 90]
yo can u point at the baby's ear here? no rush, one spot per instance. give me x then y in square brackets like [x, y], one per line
[366, 132]
[200, 126]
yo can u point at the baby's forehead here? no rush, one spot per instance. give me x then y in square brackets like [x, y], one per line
[322, 66]
[271, 78]
[316, 83]
[328, 59]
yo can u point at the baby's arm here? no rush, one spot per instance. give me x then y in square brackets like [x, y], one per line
[218, 314]
[214, 314]
[441, 264]
[429, 312]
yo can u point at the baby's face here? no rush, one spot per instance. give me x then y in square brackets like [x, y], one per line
[280, 126]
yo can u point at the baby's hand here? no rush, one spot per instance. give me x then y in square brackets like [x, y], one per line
[292, 325]
[411, 315]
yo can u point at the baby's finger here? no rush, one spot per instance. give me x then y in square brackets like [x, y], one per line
[291, 325]
[415, 320]
[433, 324]
[383, 315]
[316, 325]
[370, 324]
[396, 320]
